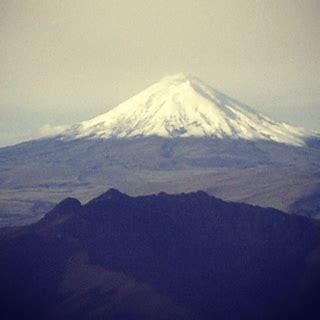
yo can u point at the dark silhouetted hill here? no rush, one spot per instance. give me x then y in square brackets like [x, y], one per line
[186, 256]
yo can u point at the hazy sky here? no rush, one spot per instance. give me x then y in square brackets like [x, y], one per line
[66, 61]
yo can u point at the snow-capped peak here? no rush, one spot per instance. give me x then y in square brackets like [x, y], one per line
[183, 106]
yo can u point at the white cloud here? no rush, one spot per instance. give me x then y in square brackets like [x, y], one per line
[50, 130]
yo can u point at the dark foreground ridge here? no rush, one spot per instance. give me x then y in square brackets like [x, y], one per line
[186, 256]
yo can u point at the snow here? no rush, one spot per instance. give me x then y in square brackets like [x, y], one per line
[184, 106]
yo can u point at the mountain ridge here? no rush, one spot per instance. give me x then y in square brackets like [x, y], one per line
[166, 256]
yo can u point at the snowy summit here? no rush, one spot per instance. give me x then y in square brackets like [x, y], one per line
[184, 106]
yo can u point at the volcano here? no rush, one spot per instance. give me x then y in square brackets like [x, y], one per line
[184, 106]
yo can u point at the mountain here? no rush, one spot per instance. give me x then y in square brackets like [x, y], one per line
[184, 106]
[177, 136]
[187, 256]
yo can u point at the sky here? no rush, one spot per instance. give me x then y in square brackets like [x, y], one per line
[65, 61]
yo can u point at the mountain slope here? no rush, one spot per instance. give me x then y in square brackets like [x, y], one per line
[258, 172]
[184, 106]
[188, 256]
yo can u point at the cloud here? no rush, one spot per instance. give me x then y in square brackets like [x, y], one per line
[50, 130]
